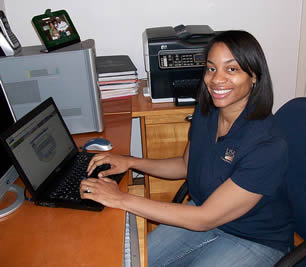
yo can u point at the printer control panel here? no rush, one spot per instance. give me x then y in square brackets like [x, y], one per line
[181, 59]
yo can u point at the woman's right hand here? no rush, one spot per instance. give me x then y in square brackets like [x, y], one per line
[118, 164]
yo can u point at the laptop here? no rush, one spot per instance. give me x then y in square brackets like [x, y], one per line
[48, 160]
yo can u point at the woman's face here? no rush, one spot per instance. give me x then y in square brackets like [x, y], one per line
[228, 85]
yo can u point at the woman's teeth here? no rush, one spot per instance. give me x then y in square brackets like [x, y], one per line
[221, 92]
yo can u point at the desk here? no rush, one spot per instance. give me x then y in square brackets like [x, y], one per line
[36, 236]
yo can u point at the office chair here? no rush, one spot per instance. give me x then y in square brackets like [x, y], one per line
[292, 119]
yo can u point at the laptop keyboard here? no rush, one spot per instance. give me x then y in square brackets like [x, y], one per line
[69, 188]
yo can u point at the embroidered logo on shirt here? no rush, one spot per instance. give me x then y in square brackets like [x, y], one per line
[229, 155]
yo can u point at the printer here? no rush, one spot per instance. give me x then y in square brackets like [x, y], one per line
[174, 60]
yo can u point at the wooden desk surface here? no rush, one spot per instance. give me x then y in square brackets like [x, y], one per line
[37, 236]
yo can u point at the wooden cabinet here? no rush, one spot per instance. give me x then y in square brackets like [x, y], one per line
[164, 131]
[165, 137]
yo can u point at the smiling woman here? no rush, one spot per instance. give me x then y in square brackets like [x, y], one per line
[235, 162]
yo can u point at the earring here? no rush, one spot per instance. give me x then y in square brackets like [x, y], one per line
[253, 85]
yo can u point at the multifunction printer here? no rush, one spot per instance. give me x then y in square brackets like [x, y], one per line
[174, 60]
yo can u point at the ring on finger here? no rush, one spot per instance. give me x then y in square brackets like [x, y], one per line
[87, 190]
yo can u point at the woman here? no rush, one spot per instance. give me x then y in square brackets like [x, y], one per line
[234, 162]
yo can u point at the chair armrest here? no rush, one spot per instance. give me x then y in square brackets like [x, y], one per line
[293, 257]
[181, 193]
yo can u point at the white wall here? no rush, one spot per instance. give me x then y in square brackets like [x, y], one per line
[301, 75]
[117, 26]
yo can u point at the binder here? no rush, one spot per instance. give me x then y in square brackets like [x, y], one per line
[117, 65]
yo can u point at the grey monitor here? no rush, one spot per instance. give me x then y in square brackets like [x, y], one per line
[8, 174]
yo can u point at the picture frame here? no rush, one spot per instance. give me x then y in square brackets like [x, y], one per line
[55, 29]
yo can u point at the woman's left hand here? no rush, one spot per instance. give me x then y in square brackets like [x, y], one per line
[102, 190]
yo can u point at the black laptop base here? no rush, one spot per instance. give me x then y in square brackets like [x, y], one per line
[67, 195]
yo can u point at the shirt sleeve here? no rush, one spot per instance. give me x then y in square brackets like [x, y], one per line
[263, 168]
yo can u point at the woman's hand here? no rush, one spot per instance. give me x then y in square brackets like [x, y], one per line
[119, 164]
[102, 190]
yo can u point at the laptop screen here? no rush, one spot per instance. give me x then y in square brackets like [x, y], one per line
[41, 145]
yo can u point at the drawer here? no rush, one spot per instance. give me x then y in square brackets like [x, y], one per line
[169, 118]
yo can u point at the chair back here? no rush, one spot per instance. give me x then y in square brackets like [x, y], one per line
[292, 119]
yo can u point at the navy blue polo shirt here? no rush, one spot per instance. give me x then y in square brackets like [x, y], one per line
[254, 155]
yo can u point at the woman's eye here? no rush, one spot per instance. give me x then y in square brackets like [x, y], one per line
[211, 69]
[232, 69]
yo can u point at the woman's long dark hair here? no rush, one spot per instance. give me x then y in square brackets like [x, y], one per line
[249, 55]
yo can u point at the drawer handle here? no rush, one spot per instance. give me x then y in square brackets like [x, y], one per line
[188, 118]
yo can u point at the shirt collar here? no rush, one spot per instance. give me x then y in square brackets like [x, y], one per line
[237, 125]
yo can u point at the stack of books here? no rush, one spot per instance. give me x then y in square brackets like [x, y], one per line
[117, 76]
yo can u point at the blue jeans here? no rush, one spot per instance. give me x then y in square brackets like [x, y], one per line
[174, 246]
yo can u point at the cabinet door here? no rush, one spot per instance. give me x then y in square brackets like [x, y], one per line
[166, 137]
